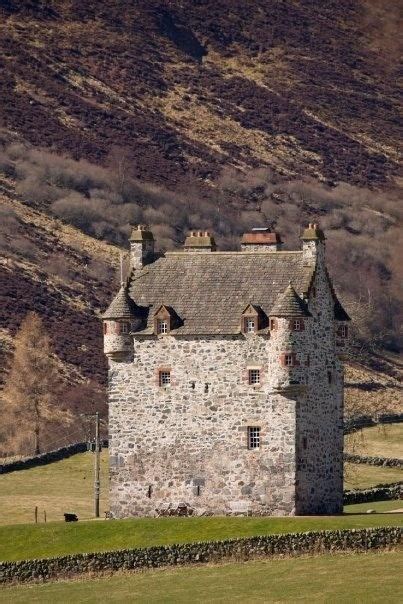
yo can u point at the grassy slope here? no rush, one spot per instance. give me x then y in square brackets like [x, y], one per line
[54, 539]
[361, 476]
[336, 578]
[383, 441]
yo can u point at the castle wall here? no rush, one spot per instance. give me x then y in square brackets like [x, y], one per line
[188, 443]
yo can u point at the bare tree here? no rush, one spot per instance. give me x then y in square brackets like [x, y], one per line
[34, 383]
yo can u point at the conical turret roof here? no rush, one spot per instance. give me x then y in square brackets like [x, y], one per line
[289, 304]
[122, 306]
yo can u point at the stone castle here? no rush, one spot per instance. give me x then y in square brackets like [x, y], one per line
[226, 380]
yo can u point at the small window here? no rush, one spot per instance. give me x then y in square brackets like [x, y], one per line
[342, 331]
[250, 325]
[288, 360]
[304, 442]
[329, 377]
[164, 378]
[297, 325]
[273, 324]
[124, 328]
[105, 328]
[162, 326]
[253, 377]
[253, 437]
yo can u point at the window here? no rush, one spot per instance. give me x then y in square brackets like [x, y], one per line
[288, 360]
[253, 437]
[164, 378]
[342, 331]
[124, 328]
[253, 377]
[105, 328]
[273, 324]
[162, 326]
[304, 442]
[329, 377]
[297, 325]
[250, 325]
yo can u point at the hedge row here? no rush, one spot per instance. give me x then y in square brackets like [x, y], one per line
[366, 421]
[392, 462]
[380, 492]
[196, 553]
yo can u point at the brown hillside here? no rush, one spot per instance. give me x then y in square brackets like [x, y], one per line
[305, 87]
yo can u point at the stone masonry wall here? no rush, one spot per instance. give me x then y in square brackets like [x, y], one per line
[188, 443]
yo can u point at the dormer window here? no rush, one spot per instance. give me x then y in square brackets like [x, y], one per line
[252, 318]
[165, 319]
[342, 331]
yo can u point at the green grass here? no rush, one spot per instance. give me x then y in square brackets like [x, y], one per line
[63, 486]
[378, 506]
[369, 578]
[56, 539]
[385, 440]
[363, 476]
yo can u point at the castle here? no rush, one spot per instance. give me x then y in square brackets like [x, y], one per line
[226, 379]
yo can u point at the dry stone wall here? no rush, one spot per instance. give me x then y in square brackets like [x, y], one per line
[290, 544]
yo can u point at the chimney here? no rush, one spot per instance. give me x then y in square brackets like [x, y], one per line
[141, 246]
[199, 241]
[313, 243]
[261, 239]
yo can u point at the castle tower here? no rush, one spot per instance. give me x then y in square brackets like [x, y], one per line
[141, 246]
[289, 326]
[119, 320]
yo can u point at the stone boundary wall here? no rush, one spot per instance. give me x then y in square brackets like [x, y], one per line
[288, 544]
[367, 421]
[391, 462]
[381, 492]
[44, 458]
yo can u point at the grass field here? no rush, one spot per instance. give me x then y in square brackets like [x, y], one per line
[363, 476]
[378, 506]
[385, 440]
[56, 539]
[63, 486]
[336, 578]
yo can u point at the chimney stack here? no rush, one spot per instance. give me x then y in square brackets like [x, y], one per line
[141, 246]
[313, 243]
[199, 241]
[261, 239]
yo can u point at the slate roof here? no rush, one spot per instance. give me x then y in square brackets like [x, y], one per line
[209, 291]
[122, 306]
[289, 304]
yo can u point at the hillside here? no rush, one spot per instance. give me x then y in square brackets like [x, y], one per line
[220, 115]
[303, 87]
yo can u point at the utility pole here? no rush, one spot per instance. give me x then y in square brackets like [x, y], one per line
[96, 467]
[96, 447]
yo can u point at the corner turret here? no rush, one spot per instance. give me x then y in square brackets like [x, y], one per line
[121, 318]
[289, 325]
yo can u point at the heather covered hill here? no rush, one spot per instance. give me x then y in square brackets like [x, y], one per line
[304, 87]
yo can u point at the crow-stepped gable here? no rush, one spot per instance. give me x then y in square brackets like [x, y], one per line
[226, 380]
